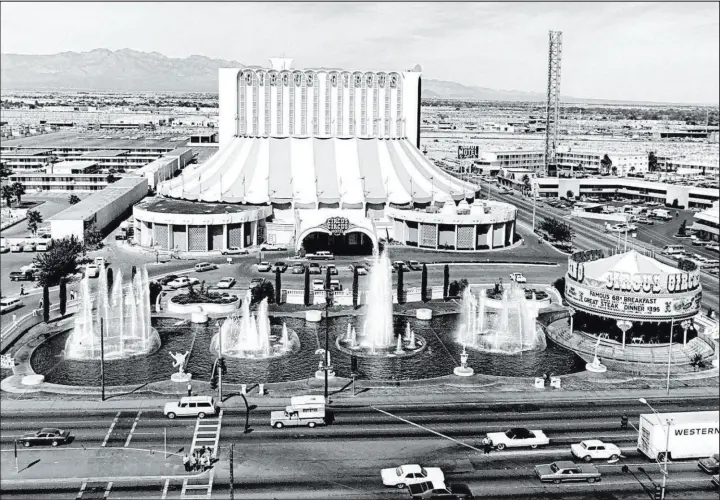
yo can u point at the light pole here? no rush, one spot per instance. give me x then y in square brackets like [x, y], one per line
[328, 303]
[669, 422]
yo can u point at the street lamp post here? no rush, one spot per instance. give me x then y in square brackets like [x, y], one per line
[328, 303]
[667, 446]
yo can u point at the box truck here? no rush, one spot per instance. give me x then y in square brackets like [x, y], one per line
[693, 434]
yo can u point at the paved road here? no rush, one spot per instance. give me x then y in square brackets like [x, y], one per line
[588, 236]
[343, 460]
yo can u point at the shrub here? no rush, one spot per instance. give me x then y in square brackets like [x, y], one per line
[697, 361]
[400, 286]
[559, 285]
[446, 280]
[46, 303]
[264, 290]
[59, 261]
[63, 296]
[457, 287]
[204, 298]
[423, 284]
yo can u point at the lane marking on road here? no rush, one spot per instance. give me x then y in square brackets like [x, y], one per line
[82, 490]
[107, 490]
[112, 426]
[127, 441]
[427, 429]
[165, 489]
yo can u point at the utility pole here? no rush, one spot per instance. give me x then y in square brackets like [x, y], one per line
[220, 365]
[102, 360]
[232, 472]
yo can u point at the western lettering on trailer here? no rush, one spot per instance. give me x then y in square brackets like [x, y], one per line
[700, 431]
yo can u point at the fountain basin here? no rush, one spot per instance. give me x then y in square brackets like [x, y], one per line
[219, 309]
[360, 351]
[313, 316]
[423, 314]
[320, 374]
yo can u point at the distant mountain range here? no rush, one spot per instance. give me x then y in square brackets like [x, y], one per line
[133, 71]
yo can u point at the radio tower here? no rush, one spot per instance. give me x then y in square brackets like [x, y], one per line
[552, 107]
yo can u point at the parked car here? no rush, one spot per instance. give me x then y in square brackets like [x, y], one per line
[593, 449]
[399, 264]
[432, 491]
[257, 281]
[298, 268]
[191, 406]
[314, 268]
[333, 269]
[264, 267]
[4, 248]
[29, 247]
[22, 276]
[518, 278]
[401, 477]
[201, 267]
[16, 247]
[558, 472]
[273, 248]
[713, 245]
[92, 271]
[361, 270]
[715, 480]
[182, 282]
[711, 465]
[121, 236]
[234, 251]
[165, 280]
[8, 304]
[318, 285]
[321, 255]
[518, 437]
[280, 266]
[101, 261]
[414, 265]
[43, 246]
[44, 437]
[226, 282]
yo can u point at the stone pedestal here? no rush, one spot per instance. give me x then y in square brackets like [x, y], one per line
[33, 379]
[320, 374]
[181, 377]
[423, 314]
[313, 316]
[463, 371]
[596, 366]
[199, 317]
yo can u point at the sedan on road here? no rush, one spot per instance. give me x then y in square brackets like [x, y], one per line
[401, 477]
[183, 281]
[264, 267]
[430, 491]
[592, 449]
[44, 437]
[557, 472]
[234, 251]
[518, 437]
[226, 282]
[711, 465]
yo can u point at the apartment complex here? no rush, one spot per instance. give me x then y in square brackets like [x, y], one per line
[648, 191]
[706, 223]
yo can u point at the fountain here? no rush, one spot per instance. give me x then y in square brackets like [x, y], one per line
[504, 326]
[249, 336]
[125, 315]
[596, 366]
[378, 336]
[463, 370]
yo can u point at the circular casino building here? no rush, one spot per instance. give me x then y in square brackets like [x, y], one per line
[320, 159]
[633, 310]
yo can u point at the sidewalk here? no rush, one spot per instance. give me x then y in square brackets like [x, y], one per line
[372, 397]
[78, 463]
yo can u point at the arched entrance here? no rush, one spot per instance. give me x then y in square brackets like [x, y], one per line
[353, 242]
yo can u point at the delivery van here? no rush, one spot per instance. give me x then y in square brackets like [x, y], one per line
[693, 434]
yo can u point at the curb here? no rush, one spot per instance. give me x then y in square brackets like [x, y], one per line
[74, 481]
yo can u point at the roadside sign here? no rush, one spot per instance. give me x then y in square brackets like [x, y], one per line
[465, 152]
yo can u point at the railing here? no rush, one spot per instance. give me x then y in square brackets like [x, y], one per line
[29, 320]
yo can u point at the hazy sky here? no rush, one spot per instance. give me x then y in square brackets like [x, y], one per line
[639, 51]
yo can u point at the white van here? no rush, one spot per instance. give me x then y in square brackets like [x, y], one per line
[303, 411]
[191, 406]
[672, 249]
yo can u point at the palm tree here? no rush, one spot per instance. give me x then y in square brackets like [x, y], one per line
[7, 194]
[73, 199]
[33, 220]
[526, 183]
[18, 191]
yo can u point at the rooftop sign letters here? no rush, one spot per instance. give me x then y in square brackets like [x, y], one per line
[468, 152]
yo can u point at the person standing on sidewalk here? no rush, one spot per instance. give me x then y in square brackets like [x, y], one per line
[189, 389]
[486, 445]
[186, 462]
[22, 290]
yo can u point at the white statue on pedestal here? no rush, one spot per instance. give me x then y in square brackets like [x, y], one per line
[180, 361]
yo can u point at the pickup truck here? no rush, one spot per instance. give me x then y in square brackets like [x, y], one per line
[22, 276]
[518, 278]
[557, 472]
[321, 255]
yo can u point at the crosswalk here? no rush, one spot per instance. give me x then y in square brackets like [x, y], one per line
[94, 491]
[207, 434]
